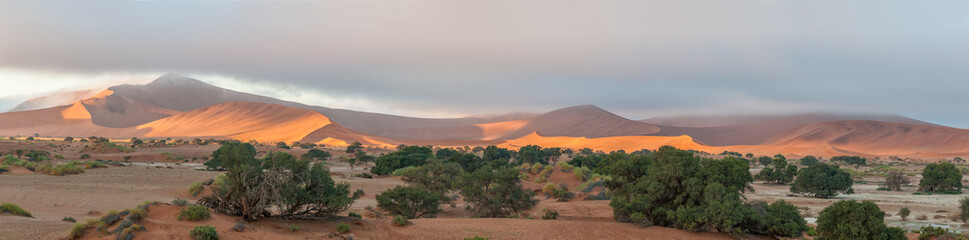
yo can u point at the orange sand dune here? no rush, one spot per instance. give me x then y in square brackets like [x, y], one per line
[497, 130]
[336, 135]
[70, 120]
[54, 99]
[109, 109]
[628, 143]
[878, 138]
[241, 120]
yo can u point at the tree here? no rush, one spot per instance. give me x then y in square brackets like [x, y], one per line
[492, 153]
[822, 181]
[359, 157]
[850, 219]
[784, 220]
[964, 209]
[410, 202]
[895, 180]
[853, 160]
[445, 153]
[765, 160]
[229, 150]
[495, 192]
[477, 149]
[436, 176]
[531, 154]
[354, 147]
[290, 188]
[282, 145]
[318, 154]
[809, 160]
[468, 161]
[749, 156]
[552, 154]
[69, 139]
[675, 188]
[568, 152]
[409, 156]
[779, 172]
[20, 153]
[904, 212]
[941, 177]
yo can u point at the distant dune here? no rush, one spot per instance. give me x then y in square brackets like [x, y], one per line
[176, 106]
[55, 99]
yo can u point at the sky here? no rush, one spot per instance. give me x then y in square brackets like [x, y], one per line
[452, 58]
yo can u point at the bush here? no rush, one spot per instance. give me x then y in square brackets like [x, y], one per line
[292, 188]
[850, 219]
[809, 160]
[930, 232]
[354, 215]
[13, 209]
[179, 202]
[195, 189]
[940, 177]
[293, 228]
[476, 238]
[904, 212]
[895, 180]
[194, 213]
[204, 233]
[401, 171]
[922, 217]
[69, 219]
[343, 228]
[401, 221]
[410, 202]
[964, 209]
[778, 172]
[784, 220]
[697, 193]
[550, 214]
[409, 156]
[823, 181]
[493, 192]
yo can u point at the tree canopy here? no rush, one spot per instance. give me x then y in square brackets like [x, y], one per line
[823, 181]
[850, 219]
[941, 177]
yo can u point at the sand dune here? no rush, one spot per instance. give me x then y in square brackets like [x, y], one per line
[54, 99]
[754, 130]
[240, 120]
[878, 138]
[109, 109]
[70, 120]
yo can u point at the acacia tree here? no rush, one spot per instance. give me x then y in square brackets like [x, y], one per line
[822, 181]
[495, 192]
[779, 172]
[354, 147]
[895, 180]
[437, 176]
[850, 219]
[809, 160]
[941, 177]
[410, 202]
[278, 185]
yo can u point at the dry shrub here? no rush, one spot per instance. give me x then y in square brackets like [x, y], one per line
[922, 217]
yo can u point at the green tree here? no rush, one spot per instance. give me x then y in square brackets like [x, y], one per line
[765, 160]
[410, 202]
[493, 153]
[822, 181]
[895, 180]
[292, 188]
[354, 147]
[783, 220]
[69, 139]
[282, 145]
[437, 176]
[809, 160]
[552, 154]
[779, 172]
[408, 156]
[495, 192]
[445, 153]
[904, 212]
[850, 219]
[853, 160]
[230, 150]
[359, 157]
[531, 154]
[964, 209]
[941, 177]
[318, 154]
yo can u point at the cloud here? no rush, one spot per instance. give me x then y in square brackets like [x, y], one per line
[451, 58]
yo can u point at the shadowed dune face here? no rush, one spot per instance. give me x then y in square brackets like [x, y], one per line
[878, 138]
[108, 109]
[241, 120]
[55, 99]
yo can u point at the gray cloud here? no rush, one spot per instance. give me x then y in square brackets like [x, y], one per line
[638, 58]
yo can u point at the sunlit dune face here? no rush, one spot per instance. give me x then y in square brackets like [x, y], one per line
[243, 121]
[333, 142]
[491, 131]
[77, 111]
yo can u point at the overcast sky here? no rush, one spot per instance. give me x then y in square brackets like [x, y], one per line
[454, 58]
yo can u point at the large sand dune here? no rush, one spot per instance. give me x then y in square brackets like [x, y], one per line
[54, 99]
[240, 120]
[878, 138]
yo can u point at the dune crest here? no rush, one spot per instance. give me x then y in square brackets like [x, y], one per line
[76, 111]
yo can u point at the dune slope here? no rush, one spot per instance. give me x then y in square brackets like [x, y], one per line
[240, 120]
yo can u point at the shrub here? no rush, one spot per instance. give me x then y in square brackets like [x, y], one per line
[930, 232]
[476, 238]
[292, 188]
[85, 156]
[408, 156]
[895, 180]
[778, 172]
[493, 192]
[69, 219]
[179, 202]
[784, 220]
[401, 171]
[823, 181]
[13, 209]
[343, 227]
[809, 160]
[922, 217]
[401, 221]
[204, 233]
[194, 213]
[293, 228]
[77, 231]
[904, 212]
[940, 177]
[964, 209]
[850, 219]
[550, 214]
[410, 202]
[195, 189]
